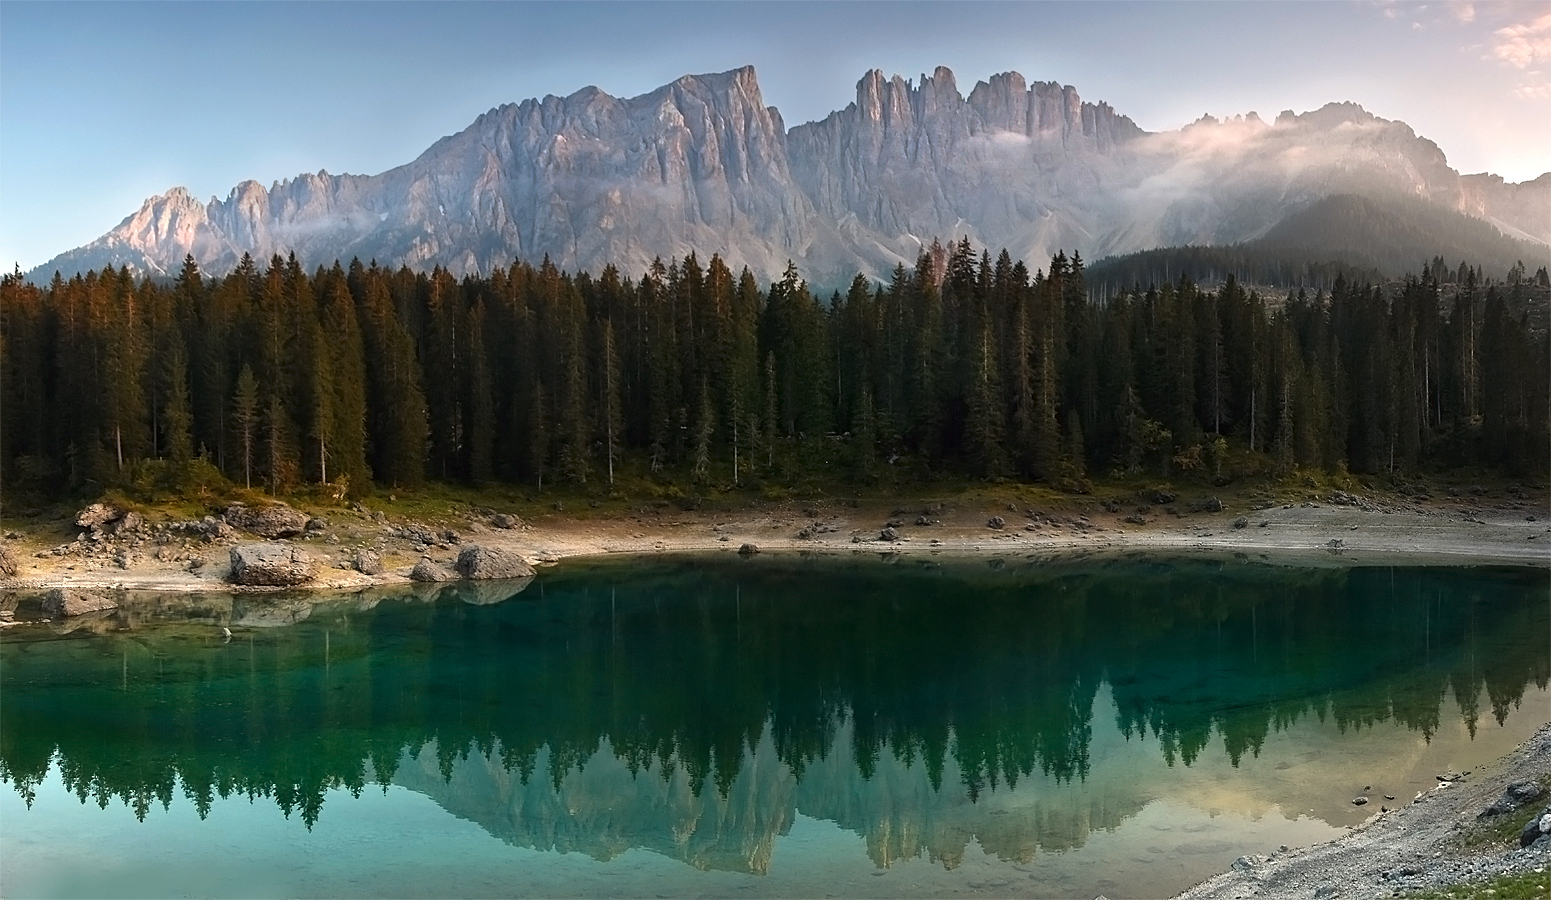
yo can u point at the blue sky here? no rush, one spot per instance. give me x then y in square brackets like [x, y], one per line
[103, 105]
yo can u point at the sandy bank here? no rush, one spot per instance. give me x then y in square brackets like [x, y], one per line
[1516, 532]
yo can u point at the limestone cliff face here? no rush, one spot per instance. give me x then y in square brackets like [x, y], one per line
[1522, 210]
[703, 164]
[1030, 168]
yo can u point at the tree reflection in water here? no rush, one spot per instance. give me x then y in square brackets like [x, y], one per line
[717, 694]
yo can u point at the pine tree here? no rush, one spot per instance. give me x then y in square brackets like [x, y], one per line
[705, 425]
[245, 418]
[177, 415]
[480, 404]
[397, 418]
[347, 367]
[613, 420]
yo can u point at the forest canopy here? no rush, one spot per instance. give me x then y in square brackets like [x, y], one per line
[964, 366]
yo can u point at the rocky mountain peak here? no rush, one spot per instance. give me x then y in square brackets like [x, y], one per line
[703, 164]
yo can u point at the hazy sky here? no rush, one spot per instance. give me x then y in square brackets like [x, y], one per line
[103, 105]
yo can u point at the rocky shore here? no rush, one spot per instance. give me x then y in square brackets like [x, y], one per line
[1447, 836]
[349, 549]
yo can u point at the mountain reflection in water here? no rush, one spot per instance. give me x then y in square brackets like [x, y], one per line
[694, 707]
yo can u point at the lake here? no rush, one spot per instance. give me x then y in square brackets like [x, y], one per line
[786, 725]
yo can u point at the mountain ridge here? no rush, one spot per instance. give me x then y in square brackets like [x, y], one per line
[703, 164]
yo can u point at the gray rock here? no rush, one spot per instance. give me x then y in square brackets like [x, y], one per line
[1514, 796]
[1241, 522]
[271, 565]
[66, 602]
[98, 515]
[368, 562]
[418, 533]
[505, 520]
[8, 565]
[491, 562]
[274, 521]
[996, 522]
[426, 570]
[1536, 828]
[748, 550]
[129, 523]
[888, 534]
[1212, 505]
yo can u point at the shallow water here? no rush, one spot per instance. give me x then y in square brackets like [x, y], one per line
[781, 726]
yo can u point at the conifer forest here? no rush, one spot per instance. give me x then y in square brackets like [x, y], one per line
[965, 366]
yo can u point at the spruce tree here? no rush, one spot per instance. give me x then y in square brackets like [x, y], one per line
[245, 419]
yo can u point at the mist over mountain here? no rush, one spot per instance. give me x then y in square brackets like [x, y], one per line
[703, 165]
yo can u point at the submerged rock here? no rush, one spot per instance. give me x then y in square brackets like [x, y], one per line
[65, 602]
[271, 565]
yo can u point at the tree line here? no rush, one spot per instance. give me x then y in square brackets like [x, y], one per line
[964, 365]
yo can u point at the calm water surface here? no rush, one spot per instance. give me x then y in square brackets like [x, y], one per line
[781, 726]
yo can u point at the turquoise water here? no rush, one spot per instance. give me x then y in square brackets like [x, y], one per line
[780, 726]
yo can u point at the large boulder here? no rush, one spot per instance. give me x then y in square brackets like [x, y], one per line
[1536, 828]
[273, 521]
[65, 602]
[428, 571]
[368, 562]
[271, 565]
[8, 565]
[98, 515]
[128, 523]
[491, 562]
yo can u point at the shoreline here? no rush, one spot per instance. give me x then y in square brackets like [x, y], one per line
[1307, 533]
[1432, 842]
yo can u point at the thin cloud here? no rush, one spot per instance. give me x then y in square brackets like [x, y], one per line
[1525, 44]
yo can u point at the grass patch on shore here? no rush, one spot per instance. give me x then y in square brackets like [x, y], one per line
[1526, 886]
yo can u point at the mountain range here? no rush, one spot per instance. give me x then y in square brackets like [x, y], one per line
[703, 165]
